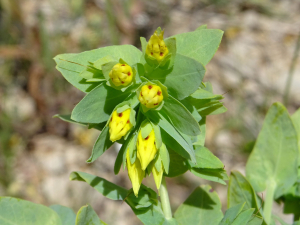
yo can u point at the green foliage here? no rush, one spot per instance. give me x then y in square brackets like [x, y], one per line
[203, 206]
[76, 63]
[275, 148]
[67, 216]
[200, 44]
[21, 212]
[240, 191]
[87, 216]
[182, 79]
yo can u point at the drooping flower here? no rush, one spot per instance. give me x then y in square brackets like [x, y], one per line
[146, 149]
[121, 74]
[156, 46]
[119, 124]
[135, 173]
[151, 95]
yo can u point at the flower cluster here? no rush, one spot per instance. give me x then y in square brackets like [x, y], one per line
[149, 101]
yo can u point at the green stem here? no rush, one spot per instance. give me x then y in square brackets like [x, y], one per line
[269, 202]
[164, 198]
[291, 72]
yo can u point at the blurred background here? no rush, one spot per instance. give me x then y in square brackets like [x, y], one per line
[37, 152]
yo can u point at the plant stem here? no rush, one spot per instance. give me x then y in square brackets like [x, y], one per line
[291, 72]
[164, 198]
[269, 201]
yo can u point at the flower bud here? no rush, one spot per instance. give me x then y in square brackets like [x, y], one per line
[151, 95]
[119, 124]
[146, 149]
[121, 74]
[156, 46]
[135, 173]
[157, 175]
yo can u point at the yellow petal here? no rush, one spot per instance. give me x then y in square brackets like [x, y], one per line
[121, 74]
[119, 124]
[135, 173]
[146, 149]
[151, 95]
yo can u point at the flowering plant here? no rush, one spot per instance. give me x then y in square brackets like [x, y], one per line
[154, 103]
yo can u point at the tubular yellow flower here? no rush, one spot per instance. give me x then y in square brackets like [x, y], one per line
[135, 173]
[119, 124]
[146, 149]
[157, 175]
[121, 74]
[156, 46]
[151, 95]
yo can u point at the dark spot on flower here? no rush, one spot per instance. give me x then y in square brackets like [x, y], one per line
[141, 94]
[128, 121]
[150, 86]
[123, 64]
[151, 53]
[161, 54]
[111, 119]
[156, 104]
[147, 138]
[122, 82]
[120, 114]
[159, 93]
[129, 73]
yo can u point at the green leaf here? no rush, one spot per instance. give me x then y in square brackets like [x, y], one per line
[240, 191]
[146, 128]
[178, 165]
[204, 26]
[71, 71]
[97, 105]
[231, 214]
[291, 205]
[67, 118]
[201, 137]
[153, 215]
[120, 157]
[180, 117]
[66, 214]
[202, 207]
[200, 45]
[101, 145]
[106, 188]
[87, 216]
[255, 220]
[204, 94]
[275, 148]
[206, 159]
[165, 157]
[181, 80]
[296, 121]
[243, 217]
[216, 175]
[21, 212]
[171, 137]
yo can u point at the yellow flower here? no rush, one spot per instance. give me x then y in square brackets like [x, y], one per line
[156, 46]
[157, 175]
[151, 95]
[135, 173]
[121, 74]
[119, 125]
[146, 149]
